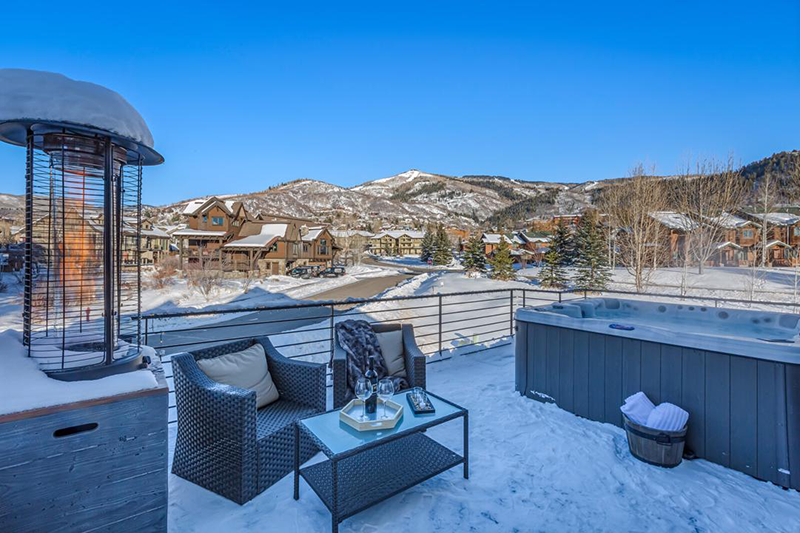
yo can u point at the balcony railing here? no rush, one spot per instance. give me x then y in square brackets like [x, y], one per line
[444, 324]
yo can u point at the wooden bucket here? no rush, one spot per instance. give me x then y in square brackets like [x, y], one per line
[654, 446]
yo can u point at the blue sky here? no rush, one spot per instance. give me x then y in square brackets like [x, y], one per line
[242, 96]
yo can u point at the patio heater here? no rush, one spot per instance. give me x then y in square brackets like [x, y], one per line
[86, 147]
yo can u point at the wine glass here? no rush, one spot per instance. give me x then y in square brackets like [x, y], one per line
[363, 391]
[385, 391]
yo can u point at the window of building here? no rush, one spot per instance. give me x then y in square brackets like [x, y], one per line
[205, 218]
[273, 248]
[305, 248]
[747, 233]
[796, 231]
[216, 221]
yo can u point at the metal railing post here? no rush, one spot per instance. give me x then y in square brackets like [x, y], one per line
[146, 333]
[559, 296]
[511, 313]
[440, 324]
[331, 340]
[524, 297]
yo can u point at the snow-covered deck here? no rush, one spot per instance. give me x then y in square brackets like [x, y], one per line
[533, 467]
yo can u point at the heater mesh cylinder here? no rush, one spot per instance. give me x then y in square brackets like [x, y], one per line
[82, 275]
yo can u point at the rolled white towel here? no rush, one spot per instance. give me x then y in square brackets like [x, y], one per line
[638, 407]
[667, 417]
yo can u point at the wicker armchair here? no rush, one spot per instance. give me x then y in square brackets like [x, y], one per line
[414, 360]
[223, 443]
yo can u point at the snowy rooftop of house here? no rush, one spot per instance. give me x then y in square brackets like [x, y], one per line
[30, 97]
[778, 244]
[155, 232]
[781, 219]
[533, 466]
[726, 244]
[674, 220]
[729, 221]
[494, 238]
[396, 234]
[312, 234]
[193, 207]
[268, 234]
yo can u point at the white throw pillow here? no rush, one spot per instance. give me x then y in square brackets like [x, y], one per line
[391, 343]
[246, 369]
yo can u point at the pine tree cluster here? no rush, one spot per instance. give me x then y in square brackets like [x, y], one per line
[585, 250]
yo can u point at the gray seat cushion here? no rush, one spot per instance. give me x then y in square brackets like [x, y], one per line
[393, 354]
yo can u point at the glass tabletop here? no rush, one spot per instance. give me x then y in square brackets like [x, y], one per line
[340, 438]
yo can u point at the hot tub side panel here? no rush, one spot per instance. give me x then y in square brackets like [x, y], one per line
[744, 413]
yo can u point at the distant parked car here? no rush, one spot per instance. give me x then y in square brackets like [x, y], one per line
[333, 272]
[303, 272]
[315, 270]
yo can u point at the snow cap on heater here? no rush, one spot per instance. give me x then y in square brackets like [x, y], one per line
[43, 101]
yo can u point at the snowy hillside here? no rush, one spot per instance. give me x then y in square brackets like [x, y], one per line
[411, 197]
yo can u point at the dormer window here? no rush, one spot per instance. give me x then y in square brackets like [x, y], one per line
[216, 221]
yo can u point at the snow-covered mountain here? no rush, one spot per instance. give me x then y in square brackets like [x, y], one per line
[412, 197]
[12, 206]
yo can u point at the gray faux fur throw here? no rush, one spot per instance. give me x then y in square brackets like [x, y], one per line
[359, 342]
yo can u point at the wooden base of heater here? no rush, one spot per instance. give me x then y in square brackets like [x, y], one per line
[91, 465]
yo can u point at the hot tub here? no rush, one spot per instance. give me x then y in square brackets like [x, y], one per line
[737, 373]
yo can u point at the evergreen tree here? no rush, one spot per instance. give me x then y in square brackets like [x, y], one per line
[563, 243]
[474, 254]
[561, 254]
[502, 262]
[591, 260]
[428, 245]
[443, 249]
[552, 274]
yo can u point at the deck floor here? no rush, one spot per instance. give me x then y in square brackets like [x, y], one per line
[533, 467]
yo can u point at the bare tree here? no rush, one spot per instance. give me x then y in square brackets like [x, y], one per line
[706, 194]
[765, 195]
[639, 237]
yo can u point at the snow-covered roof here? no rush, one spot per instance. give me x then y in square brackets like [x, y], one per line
[726, 244]
[779, 219]
[227, 204]
[193, 206]
[312, 234]
[396, 234]
[674, 220]
[155, 232]
[494, 238]
[729, 221]
[187, 232]
[31, 96]
[269, 233]
[779, 244]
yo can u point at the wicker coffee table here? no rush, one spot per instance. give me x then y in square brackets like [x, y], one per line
[365, 468]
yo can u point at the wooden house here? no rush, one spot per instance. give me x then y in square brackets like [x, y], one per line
[317, 246]
[210, 223]
[270, 248]
[397, 242]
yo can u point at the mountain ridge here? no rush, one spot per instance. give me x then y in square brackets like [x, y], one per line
[415, 197]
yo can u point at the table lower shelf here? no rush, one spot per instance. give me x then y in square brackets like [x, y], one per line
[379, 473]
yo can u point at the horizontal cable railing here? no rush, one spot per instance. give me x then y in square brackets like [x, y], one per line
[466, 322]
